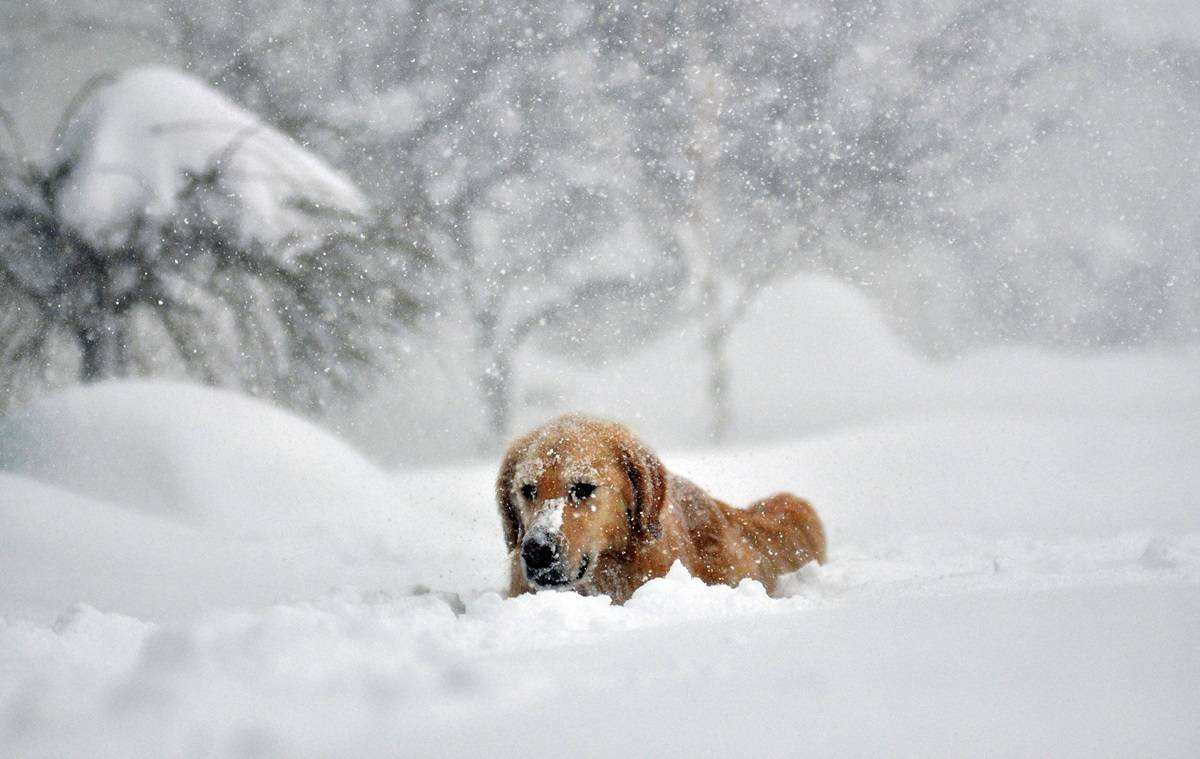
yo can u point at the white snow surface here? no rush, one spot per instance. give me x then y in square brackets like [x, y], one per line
[188, 573]
[132, 140]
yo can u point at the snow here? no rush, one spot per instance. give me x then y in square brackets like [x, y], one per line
[549, 520]
[1014, 570]
[187, 450]
[133, 141]
[202, 489]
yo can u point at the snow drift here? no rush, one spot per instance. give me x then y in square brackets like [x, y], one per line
[996, 587]
[184, 572]
[161, 499]
[212, 455]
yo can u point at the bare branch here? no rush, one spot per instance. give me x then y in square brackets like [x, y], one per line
[20, 154]
[78, 99]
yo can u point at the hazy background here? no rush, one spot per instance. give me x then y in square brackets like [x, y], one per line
[615, 208]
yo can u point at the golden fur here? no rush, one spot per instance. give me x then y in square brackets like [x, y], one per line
[639, 518]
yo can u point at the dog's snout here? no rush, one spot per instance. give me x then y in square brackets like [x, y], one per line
[539, 552]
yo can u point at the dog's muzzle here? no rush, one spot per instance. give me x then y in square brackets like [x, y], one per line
[545, 565]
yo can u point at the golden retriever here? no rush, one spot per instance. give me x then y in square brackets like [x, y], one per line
[586, 506]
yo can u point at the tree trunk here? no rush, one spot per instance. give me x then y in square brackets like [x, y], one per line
[91, 358]
[496, 384]
[715, 344]
[495, 378]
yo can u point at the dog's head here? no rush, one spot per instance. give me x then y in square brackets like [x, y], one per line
[573, 491]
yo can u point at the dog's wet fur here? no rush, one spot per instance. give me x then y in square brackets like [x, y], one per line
[587, 507]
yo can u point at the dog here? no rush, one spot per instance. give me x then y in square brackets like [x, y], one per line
[587, 507]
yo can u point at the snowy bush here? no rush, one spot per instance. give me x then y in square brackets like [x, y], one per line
[175, 233]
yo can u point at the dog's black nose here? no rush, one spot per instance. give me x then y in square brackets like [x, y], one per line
[539, 553]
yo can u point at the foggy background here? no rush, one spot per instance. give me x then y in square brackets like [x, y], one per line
[429, 225]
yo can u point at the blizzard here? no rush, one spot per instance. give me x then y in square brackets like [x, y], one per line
[1014, 570]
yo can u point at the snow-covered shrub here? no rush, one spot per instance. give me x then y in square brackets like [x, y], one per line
[176, 233]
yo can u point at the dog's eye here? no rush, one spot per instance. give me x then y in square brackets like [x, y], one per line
[582, 490]
[528, 492]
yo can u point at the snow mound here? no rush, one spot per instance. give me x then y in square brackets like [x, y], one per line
[205, 454]
[164, 499]
[832, 358]
[834, 361]
[131, 144]
[58, 549]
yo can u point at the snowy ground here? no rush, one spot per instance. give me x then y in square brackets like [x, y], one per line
[1015, 572]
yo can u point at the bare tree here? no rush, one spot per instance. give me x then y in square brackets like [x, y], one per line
[699, 196]
[520, 199]
[869, 140]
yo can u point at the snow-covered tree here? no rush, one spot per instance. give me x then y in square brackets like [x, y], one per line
[174, 232]
[680, 71]
[899, 145]
[988, 169]
[522, 178]
[484, 133]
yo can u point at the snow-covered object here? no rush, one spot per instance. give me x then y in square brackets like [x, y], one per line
[132, 143]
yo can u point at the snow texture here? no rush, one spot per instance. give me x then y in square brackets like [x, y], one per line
[133, 142]
[549, 520]
[190, 573]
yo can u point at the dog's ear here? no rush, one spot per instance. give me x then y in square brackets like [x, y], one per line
[648, 478]
[504, 498]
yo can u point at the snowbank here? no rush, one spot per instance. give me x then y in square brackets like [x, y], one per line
[128, 149]
[171, 447]
[813, 353]
[1078, 673]
[161, 499]
[1011, 578]
[197, 487]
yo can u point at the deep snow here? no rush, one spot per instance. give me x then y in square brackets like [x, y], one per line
[1014, 570]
